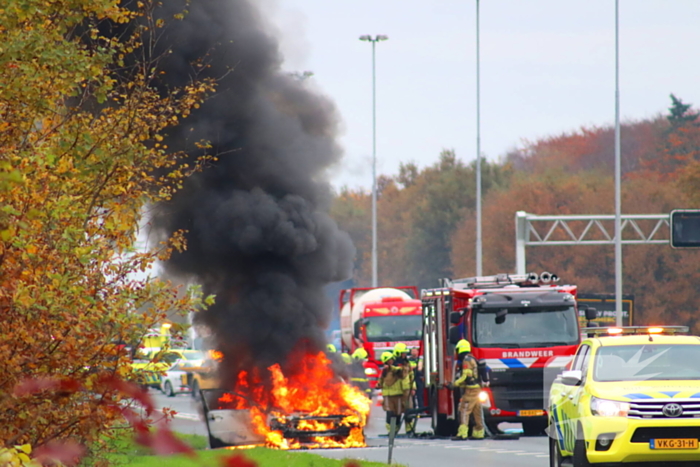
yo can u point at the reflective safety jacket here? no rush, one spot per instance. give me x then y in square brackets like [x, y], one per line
[391, 381]
[408, 379]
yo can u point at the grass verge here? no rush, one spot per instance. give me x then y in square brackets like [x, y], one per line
[127, 453]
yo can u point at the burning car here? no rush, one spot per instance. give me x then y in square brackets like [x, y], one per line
[311, 409]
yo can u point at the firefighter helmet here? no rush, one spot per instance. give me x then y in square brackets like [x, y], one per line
[463, 346]
[330, 348]
[386, 356]
[359, 354]
[400, 348]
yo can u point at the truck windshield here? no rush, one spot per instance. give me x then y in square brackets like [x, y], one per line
[655, 362]
[527, 327]
[394, 328]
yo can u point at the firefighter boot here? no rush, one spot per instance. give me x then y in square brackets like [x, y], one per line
[478, 434]
[399, 420]
[462, 433]
[410, 426]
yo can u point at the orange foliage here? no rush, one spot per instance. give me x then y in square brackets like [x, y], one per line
[571, 173]
[661, 279]
[72, 282]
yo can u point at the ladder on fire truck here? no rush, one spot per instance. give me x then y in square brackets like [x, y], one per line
[500, 280]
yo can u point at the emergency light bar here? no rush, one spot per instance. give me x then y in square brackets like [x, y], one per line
[500, 280]
[632, 330]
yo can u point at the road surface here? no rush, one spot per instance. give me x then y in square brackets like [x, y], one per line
[525, 452]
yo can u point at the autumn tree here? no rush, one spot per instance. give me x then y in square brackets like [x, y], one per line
[352, 210]
[661, 279]
[680, 113]
[427, 224]
[681, 143]
[418, 211]
[81, 126]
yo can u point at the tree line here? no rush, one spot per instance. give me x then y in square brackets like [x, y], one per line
[426, 216]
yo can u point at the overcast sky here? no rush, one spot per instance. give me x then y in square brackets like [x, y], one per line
[547, 66]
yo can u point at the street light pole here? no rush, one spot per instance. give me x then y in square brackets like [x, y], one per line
[618, 202]
[478, 149]
[374, 40]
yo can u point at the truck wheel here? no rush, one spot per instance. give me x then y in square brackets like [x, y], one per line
[168, 389]
[534, 427]
[580, 458]
[555, 459]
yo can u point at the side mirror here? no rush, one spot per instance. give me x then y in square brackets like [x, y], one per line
[455, 335]
[591, 314]
[456, 316]
[572, 377]
[357, 329]
[501, 316]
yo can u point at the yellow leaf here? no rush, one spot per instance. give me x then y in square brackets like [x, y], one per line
[26, 448]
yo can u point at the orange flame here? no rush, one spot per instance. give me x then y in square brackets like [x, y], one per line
[292, 403]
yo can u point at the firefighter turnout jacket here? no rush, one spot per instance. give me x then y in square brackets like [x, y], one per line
[468, 373]
[391, 381]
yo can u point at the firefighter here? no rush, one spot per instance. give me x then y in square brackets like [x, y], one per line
[346, 358]
[408, 384]
[417, 364]
[391, 384]
[358, 377]
[400, 354]
[468, 381]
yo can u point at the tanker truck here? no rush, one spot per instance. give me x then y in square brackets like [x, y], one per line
[377, 319]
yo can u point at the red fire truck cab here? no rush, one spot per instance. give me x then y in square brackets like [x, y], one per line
[523, 330]
[378, 318]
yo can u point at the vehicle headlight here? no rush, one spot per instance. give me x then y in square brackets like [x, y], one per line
[371, 371]
[606, 408]
[485, 399]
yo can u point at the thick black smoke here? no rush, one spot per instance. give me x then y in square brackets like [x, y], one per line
[258, 235]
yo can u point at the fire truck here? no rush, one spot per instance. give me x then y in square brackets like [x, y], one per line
[523, 330]
[377, 319]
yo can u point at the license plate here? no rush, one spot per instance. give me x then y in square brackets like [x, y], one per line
[531, 413]
[691, 443]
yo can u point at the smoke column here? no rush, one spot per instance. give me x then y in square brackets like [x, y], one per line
[258, 233]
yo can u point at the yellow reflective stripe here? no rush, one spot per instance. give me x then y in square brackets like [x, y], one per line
[465, 374]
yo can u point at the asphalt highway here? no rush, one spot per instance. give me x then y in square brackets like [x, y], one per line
[412, 452]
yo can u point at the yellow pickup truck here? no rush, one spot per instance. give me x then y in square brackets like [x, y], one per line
[631, 395]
